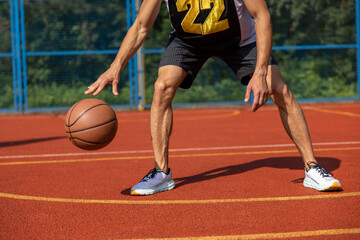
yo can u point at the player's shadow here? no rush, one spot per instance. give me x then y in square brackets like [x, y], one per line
[291, 163]
[28, 141]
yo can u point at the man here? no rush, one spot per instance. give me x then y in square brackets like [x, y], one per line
[240, 33]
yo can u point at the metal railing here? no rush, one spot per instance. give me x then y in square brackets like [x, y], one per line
[19, 56]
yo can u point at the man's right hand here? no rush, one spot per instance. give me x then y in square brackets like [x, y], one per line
[111, 76]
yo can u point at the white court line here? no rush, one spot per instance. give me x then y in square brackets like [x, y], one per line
[171, 150]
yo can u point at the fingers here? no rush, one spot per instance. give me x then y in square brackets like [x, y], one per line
[255, 104]
[100, 84]
[91, 89]
[95, 88]
[115, 87]
[247, 94]
[99, 88]
[258, 86]
[260, 98]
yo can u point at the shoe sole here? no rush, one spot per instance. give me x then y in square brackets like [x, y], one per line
[335, 186]
[166, 186]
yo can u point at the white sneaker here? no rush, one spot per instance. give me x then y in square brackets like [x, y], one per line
[319, 179]
[155, 181]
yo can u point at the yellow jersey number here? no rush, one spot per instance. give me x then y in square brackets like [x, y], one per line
[211, 23]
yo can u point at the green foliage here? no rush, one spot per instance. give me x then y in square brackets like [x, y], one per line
[6, 84]
[59, 25]
[222, 91]
[74, 25]
[7, 96]
[313, 22]
[60, 95]
[318, 74]
[5, 33]
[309, 74]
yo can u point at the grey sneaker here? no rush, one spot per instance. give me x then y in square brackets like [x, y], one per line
[319, 179]
[155, 181]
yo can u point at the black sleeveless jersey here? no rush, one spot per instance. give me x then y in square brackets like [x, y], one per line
[211, 23]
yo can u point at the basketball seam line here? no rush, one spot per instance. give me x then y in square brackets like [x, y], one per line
[68, 126]
[91, 142]
[91, 127]
[84, 113]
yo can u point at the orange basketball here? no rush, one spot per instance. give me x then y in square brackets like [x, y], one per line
[91, 124]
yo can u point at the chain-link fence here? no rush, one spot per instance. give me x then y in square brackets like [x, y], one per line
[52, 50]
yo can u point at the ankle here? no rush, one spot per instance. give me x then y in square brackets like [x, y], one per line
[164, 170]
[308, 164]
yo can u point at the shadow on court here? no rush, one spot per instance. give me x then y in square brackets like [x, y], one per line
[28, 141]
[292, 163]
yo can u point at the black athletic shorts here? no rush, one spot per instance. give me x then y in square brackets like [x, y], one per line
[242, 60]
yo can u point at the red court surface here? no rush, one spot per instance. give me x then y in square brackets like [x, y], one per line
[237, 174]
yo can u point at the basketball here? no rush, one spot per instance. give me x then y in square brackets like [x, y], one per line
[91, 124]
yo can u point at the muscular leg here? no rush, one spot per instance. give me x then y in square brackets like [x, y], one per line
[291, 114]
[161, 114]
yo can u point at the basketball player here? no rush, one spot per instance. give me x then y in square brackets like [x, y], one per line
[240, 33]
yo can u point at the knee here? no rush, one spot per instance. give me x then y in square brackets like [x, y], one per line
[282, 91]
[281, 94]
[163, 90]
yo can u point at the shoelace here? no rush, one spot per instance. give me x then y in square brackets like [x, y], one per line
[319, 169]
[150, 175]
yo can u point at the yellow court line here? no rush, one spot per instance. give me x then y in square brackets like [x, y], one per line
[234, 113]
[332, 111]
[167, 202]
[268, 235]
[175, 156]
[210, 117]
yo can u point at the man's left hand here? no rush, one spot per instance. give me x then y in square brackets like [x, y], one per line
[258, 86]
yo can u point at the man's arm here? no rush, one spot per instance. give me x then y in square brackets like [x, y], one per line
[259, 11]
[134, 38]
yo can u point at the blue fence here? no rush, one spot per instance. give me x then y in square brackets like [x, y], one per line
[49, 57]
[21, 58]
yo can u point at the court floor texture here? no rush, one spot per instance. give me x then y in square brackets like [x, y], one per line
[237, 173]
